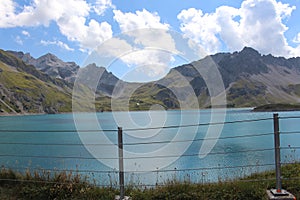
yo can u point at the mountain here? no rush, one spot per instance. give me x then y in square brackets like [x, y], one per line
[51, 65]
[250, 79]
[92, 74]
[45, 84]
[67, 71]
[24, 89]
[29, 85]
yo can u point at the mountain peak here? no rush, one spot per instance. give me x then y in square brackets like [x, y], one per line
[26, 57]
[92, 65]
[249, 51]
[50, 64]
[49, 56]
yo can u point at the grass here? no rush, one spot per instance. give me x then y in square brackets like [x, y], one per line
[33, 93]
[244, 93]
[73, 186]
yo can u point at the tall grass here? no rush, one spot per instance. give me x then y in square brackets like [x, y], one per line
[62, 185]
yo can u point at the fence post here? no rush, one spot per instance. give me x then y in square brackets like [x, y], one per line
[121, 163]
[278, 193]
[277, 152]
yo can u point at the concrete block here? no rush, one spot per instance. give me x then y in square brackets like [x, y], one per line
[283, 195]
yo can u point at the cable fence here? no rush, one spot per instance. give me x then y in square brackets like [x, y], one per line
[204, 170]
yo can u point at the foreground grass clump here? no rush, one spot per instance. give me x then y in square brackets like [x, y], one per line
[62, 185]
[71, 186]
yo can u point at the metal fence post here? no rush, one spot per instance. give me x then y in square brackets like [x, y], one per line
[278, 193]
[121, 163]
[277, 152]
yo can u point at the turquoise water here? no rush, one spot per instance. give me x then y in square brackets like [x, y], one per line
[150, 155]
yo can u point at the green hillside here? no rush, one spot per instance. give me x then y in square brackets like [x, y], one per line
[34, 92]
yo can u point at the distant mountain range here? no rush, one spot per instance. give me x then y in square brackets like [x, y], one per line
[50, 65]
[45, 84]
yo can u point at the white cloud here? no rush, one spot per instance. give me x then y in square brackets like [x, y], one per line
[40, 12]
[139, 20]
[7, 12]
[261, 26]
[102, 5]
[201, 28]
[70, 16]
[229, 28]
[153, 57]
[26, 33]
[284, 10]
[89, 36]
[257, 23]
[297, 38]
[154, 67]
[115, 48]
[139, 25]
[19, 40]
[57, 43]
[151, 40]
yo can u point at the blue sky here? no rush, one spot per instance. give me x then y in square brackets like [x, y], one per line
[73, 29]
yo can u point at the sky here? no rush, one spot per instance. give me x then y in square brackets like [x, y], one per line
[74, 29]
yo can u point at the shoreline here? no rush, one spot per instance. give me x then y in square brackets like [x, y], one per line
[279, 107]
[263, 108]
[21, 114]
[29, 114]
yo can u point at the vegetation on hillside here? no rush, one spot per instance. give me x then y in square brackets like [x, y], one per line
[23, 92]
[277, 107]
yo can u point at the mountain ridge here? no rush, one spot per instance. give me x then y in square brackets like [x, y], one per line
[51, 65]
[250, 79]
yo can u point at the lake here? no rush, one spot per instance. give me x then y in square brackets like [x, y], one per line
[158, 145]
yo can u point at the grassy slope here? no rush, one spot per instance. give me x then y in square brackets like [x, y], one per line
[31, 92]
[244, 93]
[143, 98]
[64, 186]
[150, 94]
